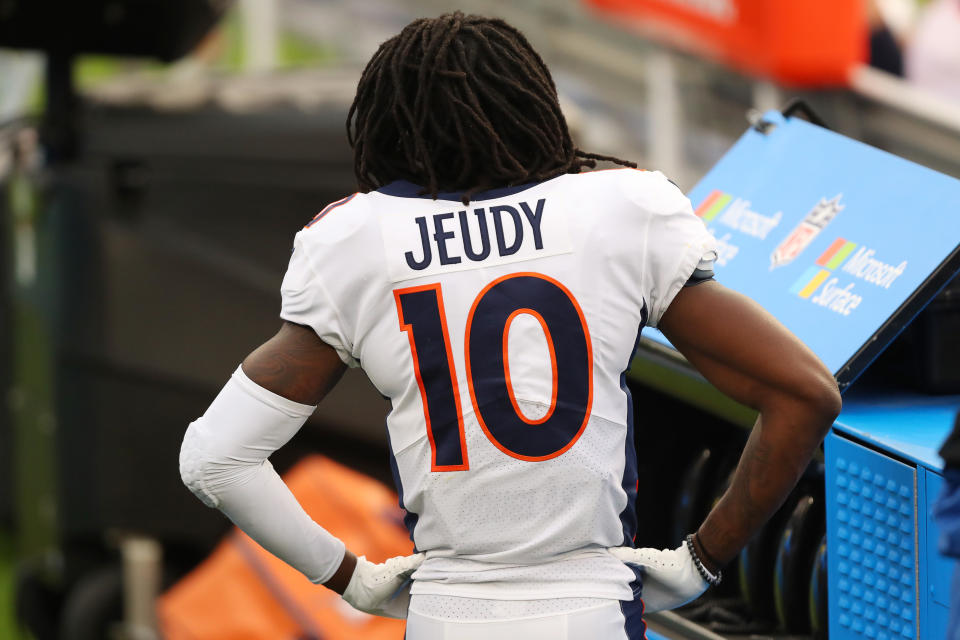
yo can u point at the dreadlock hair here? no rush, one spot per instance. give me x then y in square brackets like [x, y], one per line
[460, 103]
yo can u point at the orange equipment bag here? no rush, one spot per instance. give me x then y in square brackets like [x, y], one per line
[243, 592]
[812, 43]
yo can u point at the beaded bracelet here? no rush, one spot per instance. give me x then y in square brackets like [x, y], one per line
[712, 580]
[703, 549]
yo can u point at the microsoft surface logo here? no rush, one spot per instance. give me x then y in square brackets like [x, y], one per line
[829, 260]
[710, 208]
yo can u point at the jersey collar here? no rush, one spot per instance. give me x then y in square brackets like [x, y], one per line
[404, 189]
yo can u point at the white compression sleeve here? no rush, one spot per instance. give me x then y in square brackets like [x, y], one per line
[223, 460]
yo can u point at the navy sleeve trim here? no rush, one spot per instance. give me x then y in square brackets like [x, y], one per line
[699, 276]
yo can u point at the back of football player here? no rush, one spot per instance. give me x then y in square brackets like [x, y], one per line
[495, 294]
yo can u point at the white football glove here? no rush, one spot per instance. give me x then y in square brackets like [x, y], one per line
[670, 578]
[382, 589]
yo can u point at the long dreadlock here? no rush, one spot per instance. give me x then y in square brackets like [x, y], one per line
[460, 103]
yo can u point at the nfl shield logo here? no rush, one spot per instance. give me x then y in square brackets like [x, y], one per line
[804, 233]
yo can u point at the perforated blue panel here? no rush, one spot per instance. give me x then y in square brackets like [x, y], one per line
[871, 548]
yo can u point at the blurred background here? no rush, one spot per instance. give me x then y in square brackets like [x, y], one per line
[156, 158]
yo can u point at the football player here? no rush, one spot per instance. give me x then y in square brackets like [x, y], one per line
[495, 292]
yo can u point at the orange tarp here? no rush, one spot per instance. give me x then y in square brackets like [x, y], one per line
[242, 592]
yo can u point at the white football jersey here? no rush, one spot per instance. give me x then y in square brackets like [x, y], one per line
[500, 332]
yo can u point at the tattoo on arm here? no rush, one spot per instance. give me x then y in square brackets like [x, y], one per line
[295, 364]
[764, 477]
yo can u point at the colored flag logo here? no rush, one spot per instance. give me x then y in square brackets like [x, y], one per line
[809, 281]
[829, 260]
[710, 208]
[834, 256]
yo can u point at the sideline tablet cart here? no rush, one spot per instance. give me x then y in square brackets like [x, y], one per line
[844, 244]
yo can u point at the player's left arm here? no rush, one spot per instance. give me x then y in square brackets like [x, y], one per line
[224, 461]
[750, 356]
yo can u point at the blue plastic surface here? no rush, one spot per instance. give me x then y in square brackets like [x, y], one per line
[871, 554]
[790, 195]
[910, 426]
[938, 570]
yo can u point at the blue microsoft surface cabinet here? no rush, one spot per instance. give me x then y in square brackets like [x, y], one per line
[845, 244]
[885, 576]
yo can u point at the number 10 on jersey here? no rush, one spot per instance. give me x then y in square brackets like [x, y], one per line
[423, 317]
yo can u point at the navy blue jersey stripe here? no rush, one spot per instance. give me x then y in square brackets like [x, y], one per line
[628, 517]
[409, 518]
[633, 623]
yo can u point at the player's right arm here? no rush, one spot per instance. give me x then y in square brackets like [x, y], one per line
[224, 461]
[750, 356]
